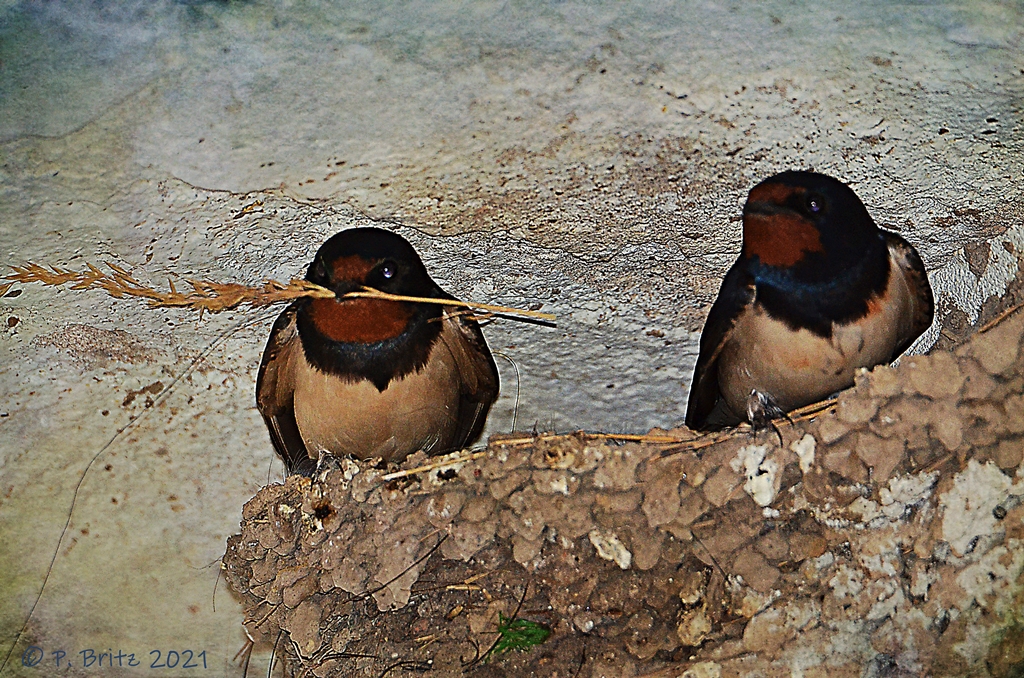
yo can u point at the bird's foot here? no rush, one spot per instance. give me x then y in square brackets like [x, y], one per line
[762, 411]
[327, 463]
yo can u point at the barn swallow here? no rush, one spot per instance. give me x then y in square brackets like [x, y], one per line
[371, 377]
[817, 291]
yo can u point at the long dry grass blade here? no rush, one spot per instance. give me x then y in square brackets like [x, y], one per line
[213, 296]
[371, 293]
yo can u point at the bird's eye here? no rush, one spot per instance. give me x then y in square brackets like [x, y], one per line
[815, 203]
[388, 270]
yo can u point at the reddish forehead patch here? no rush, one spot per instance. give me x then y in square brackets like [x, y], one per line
[774, 193]
[779, 239]
[351, 268]
[362, 321]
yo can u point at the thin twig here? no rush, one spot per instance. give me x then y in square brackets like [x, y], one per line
[519, 606]
[273, 653]
[247, 649]
[1000, 318]
[698, 444]
[464, 585]
[431, 467]
[371, 293]
[515, 405]
[810, 411]
[430, 552]
[273, 608]
[629, 437]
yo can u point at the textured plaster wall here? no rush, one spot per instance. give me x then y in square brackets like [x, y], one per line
[590, 157]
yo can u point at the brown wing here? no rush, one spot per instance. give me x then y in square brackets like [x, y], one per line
[275, 389]
[909, 262]
[736, 294]
[478, 372]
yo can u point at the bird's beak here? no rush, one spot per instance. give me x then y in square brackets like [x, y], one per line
[763, 209]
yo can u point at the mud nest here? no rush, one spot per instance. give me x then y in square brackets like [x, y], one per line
[882, 537]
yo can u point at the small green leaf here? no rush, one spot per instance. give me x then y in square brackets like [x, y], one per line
[518, 634]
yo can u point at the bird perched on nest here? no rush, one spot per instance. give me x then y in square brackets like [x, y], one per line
[372, 377]
[817, 292]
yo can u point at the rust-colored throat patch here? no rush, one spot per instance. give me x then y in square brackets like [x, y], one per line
[780, 239]
[364, 321]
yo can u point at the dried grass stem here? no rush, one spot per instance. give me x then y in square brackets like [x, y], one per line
[214, 297]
